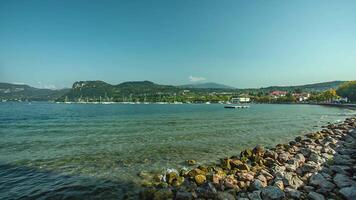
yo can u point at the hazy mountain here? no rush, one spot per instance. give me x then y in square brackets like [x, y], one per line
[209, 85]
[10, 91]
[316, 87]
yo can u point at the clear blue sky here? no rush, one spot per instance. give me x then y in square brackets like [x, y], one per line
[239, 43]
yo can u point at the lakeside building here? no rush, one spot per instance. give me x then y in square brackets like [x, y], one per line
[301, 96]
[276, 94]
[240, 100]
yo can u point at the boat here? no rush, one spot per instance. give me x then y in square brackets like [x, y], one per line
[235, 107]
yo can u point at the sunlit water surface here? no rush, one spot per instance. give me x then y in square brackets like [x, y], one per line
[76, 151]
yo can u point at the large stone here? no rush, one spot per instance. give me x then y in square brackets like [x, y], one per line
[315, 196]
[255, 195]
[348, 193]
[256, 185]
[163, 194]
[293, 193]
[207, 191]
[283, 157]
[310, 167]
[291, 179]
[183, 195]
[272, 193]
[300, 158]
[245, 176]
[230, 182]
[200, 179]
[225, 196]
[342, 159]
[316, 158]
[320, 181]
[342, 180]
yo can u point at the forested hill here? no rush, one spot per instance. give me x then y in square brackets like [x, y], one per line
[127, 91]
[316, 87]
[9, 91]
[137, 91]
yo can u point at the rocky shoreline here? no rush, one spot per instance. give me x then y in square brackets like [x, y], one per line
[317, 166]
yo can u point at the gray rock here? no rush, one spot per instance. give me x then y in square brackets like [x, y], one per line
[316, 179]
[300, 158]
[291, 179]
[316, 158]
[342, 180]
[255, 195]
[207, 191]
[256, 185]
[348, 193]
[272, 193]
[342, 159]
[342, 169]
[308, 188]
[310, 166]
[225, 196]
[293, 193]
[306, 152]
[183, 195]
[283, 157]
[319, 180]
[315, 196]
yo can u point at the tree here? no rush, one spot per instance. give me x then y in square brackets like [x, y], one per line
[348, 90]
[328, 95]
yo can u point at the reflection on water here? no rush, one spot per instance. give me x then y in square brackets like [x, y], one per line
[62, 151]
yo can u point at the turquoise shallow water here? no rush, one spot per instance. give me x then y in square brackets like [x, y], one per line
[66, 151]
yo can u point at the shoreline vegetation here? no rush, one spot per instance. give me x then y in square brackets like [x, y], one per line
[319, 165]
[146, 92]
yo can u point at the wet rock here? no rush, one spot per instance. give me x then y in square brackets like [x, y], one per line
[191, 162]
[259, 150]
[272, 193]
[271, 154]
[255, 195]
[342, 180]
[293, 193]
[225, 196]
[200, 179]
[348, 193]
[315, 196]
[192, 173]
[171, 176]
[234, 163]
[178, 181]
[163, 194]
[243, 167]
[216, 178]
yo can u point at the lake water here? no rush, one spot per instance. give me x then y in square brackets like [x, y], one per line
[87, 151]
